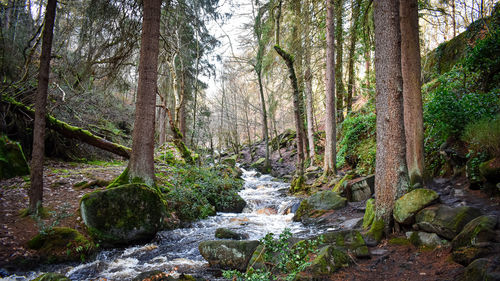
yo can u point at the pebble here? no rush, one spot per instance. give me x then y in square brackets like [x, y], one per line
[379, 252]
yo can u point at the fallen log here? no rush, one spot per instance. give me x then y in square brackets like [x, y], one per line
[69, 131]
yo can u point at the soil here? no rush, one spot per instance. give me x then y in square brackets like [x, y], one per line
[388, 261]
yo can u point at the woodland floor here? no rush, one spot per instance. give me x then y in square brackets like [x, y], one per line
[388, 261]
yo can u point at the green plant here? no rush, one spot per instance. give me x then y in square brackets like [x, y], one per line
[46, 226]
[283, 261]
[484, 135]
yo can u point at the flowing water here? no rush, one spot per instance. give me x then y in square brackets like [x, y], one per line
[269, 209]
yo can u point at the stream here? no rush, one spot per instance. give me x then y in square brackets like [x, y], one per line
[269, 209]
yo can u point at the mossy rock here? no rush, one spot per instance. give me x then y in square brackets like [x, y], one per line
[224, 233]
[319, 203]
[12, 160]
[409, 204]
[61, 244]
[466, 255]
[350, 240]
[376, 231]
[445, 221]
[328, 260]
[369, 213]
[231, 161]
[420, 238]
[158, 275]
[228, 254]
[490, 170]
[52, 277]
[260, 165]
[123, 214]
[360, 189]
[482, 269]
[478, 230]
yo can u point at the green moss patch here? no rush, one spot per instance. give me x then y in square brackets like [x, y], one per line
[12, 160]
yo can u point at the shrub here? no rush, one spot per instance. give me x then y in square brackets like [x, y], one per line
[484, 135]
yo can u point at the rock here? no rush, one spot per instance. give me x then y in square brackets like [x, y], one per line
[369, 213]
[490, 170]
[123, 214]
[12, 160]
[466, 255]
[235, 206]
[360, 189]
[445, 221]
[266, 211]
[224, 233]
[478, 230]
[419, 238]
[328, 260]
[379, 252]
[483, 269]
[350, 240]
[409, 204]
[260, 166]
[52, 277]
[318, 203]
[230, 161]
[61, 244]
[157, 275]
[228, 254]
[352, 224]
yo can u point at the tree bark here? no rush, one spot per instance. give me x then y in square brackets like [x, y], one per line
[36, 176]
[339, 42]
[330, 125]
[412, 95]
[352, 50]
[141, 164]
[308, 86]
[391, 176]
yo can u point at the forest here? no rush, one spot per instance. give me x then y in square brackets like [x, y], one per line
[249, 140]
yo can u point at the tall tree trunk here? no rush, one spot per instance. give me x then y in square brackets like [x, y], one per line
[36, 176]
[352, 50]
[412, 95]
[330, 125]
[141, 164]
[391, 176]
[339, 43]
[308, 85]
[453, 18]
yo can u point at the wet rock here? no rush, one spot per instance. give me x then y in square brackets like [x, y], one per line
[157, 275]
[360, 189]
[379, 252]
[123, 214]
[352, 224]
[419, 238]
[260, 166]
[228, 254]
[466, 255]
[52, 277]
[409, 204]
[369, 213]
[318, 203]
[236, 205]
[224, 233]
[350, 240]
[483, 269]
[12, 160]
[478, 230]
[328, 260]
[445, 221]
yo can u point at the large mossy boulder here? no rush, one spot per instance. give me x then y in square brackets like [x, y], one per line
[483, 269]
[350, 240]
[61, 244]
[318, 203]
[369, 213]
[445, 221]
[51, 276]
[233, 204]
[409, 204]
[12, 160]
[228, 254]
[124, 214]
[260, 165]
[360, 189]
[490, 170]
[327, 261]
[420, 238]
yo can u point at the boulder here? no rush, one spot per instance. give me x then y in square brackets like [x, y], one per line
[490, 170]
[483, 269]
[445, 221]
[224, 233]
[123, 214]
[350, 240]
[409, 204]
[369, 213]
[419, 238]
[327, 261]
[260, 166]
[51, 276]
[360, 189]
[228, 254]
[319, 203]
[236, 205]
[12, 160]
[466, 255]
[478, 230]
[158, 275]
[230, 161]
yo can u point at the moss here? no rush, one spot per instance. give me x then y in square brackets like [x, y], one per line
[339, 187]
[369, 213]
[377, 229]
[399, 241]
[328, 260]
[303, 210]
[12, 160]
[298, 184]
[414, 239]
[409, 204]
[52, 277]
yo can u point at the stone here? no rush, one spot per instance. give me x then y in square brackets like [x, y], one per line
[225, 233]
[228, 254]
[259, 165]
[360, 189]
[409, 204]
[352, 224]
[490, 170]
[478, 230]
[158, 275]
[419, 238]
[369, 213]
[236, 205]
[350, 240]
[445, 221]
[12, 160]
[483, 269]
[327, 261]
[124, 214]
[466, 255]
[51, 276]
[319, 203]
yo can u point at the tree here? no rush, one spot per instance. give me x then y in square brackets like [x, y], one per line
[412, 95]
[36, 190]
[352, 49]
[391, 175]
[308, 83]
[330, 126]
[141, 164]
[339, 42]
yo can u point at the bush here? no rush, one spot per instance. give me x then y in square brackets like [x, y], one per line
[484, 135]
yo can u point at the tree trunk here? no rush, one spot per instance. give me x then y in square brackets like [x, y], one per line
[141, 164]
[36, 190]
[352, 50]
[391, 176]
[339, 43]
[412, 95]
[330, 125]
[308, 87]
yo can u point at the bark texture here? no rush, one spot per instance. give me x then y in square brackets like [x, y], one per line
[391, 175]
[412, 95]
[352, 50]
[141, 164]
[36, 176]
[330, 126]
[308, 86]
[339, 42]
